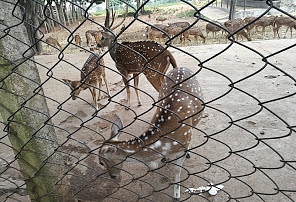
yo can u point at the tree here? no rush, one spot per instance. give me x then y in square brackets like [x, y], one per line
[232, 9]
[25, 114]
[30, 8]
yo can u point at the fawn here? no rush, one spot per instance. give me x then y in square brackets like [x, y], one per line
[92, 73]
[148, 57]
[180, 108]
[53, 42]
[77, 39]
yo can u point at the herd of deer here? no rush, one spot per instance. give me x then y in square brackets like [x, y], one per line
[168, 137]
[180, 108]
[180, 103]
[242, 27]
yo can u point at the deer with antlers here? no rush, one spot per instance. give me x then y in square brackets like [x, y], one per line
[180, 108]
[148, 57]
[92, 73]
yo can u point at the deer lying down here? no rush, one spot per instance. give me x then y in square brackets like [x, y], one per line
[92, 73]
[180, 108]
[131, 58]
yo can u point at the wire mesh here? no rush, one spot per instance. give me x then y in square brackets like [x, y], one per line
[241, 150]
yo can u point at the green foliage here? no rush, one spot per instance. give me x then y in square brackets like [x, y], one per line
[189, 13]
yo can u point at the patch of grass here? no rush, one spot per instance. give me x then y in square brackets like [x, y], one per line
[99, 13]
[190, 13]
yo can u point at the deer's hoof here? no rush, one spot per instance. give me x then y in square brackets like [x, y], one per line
[176, 199]
[139, 104]
[188, 156]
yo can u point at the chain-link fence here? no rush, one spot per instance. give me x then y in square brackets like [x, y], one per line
[55, 148]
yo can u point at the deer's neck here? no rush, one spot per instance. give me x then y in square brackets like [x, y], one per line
[113, 47]
[156, 142]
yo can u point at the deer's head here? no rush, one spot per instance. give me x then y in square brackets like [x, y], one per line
[75, 87]
[107, 39]
[109, 154]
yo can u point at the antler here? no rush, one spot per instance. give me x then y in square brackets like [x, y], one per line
[109, 25]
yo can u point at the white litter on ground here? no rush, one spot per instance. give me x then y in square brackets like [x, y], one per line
[212, 190]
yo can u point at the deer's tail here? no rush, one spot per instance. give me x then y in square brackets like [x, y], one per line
[172, 59]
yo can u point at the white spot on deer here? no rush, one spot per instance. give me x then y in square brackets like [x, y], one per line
[169, 117]
[155, 145]
[129, 151]
[175, 143]
[167, 146]
[185, 133]
[178, 110]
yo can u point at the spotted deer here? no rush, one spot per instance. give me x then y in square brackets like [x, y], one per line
[148, 57]
[234, 25]
[77, 39]
[92, 73]
[194, 31]
[280, 21]
[167, 139]
[53, 41]
[211, 27]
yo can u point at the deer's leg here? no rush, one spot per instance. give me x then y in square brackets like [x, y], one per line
[106, 83]
[128, 93]
[100, 87]
[286, 32]
[136, 84]
[177, 171]
[93, 91]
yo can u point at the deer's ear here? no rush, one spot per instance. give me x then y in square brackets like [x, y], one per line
[108, 150]
[115, 128]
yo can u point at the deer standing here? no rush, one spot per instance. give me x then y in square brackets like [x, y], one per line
[92, 73]
[53, 42]
[148, 57]
[77, 39]
[179, 109]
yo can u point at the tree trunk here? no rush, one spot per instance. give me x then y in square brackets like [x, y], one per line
[60, 13]
[31, 8]
[24, 112]
[232, 9]
[56, 22]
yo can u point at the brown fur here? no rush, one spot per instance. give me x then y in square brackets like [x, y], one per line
[54, 42]
[92, 73]
[194, 31]
[130, 62]
[290, 23]
[234, 25]
[170, 130]
[77, 39]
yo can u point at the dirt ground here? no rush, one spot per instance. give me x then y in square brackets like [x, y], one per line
[236, 140]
